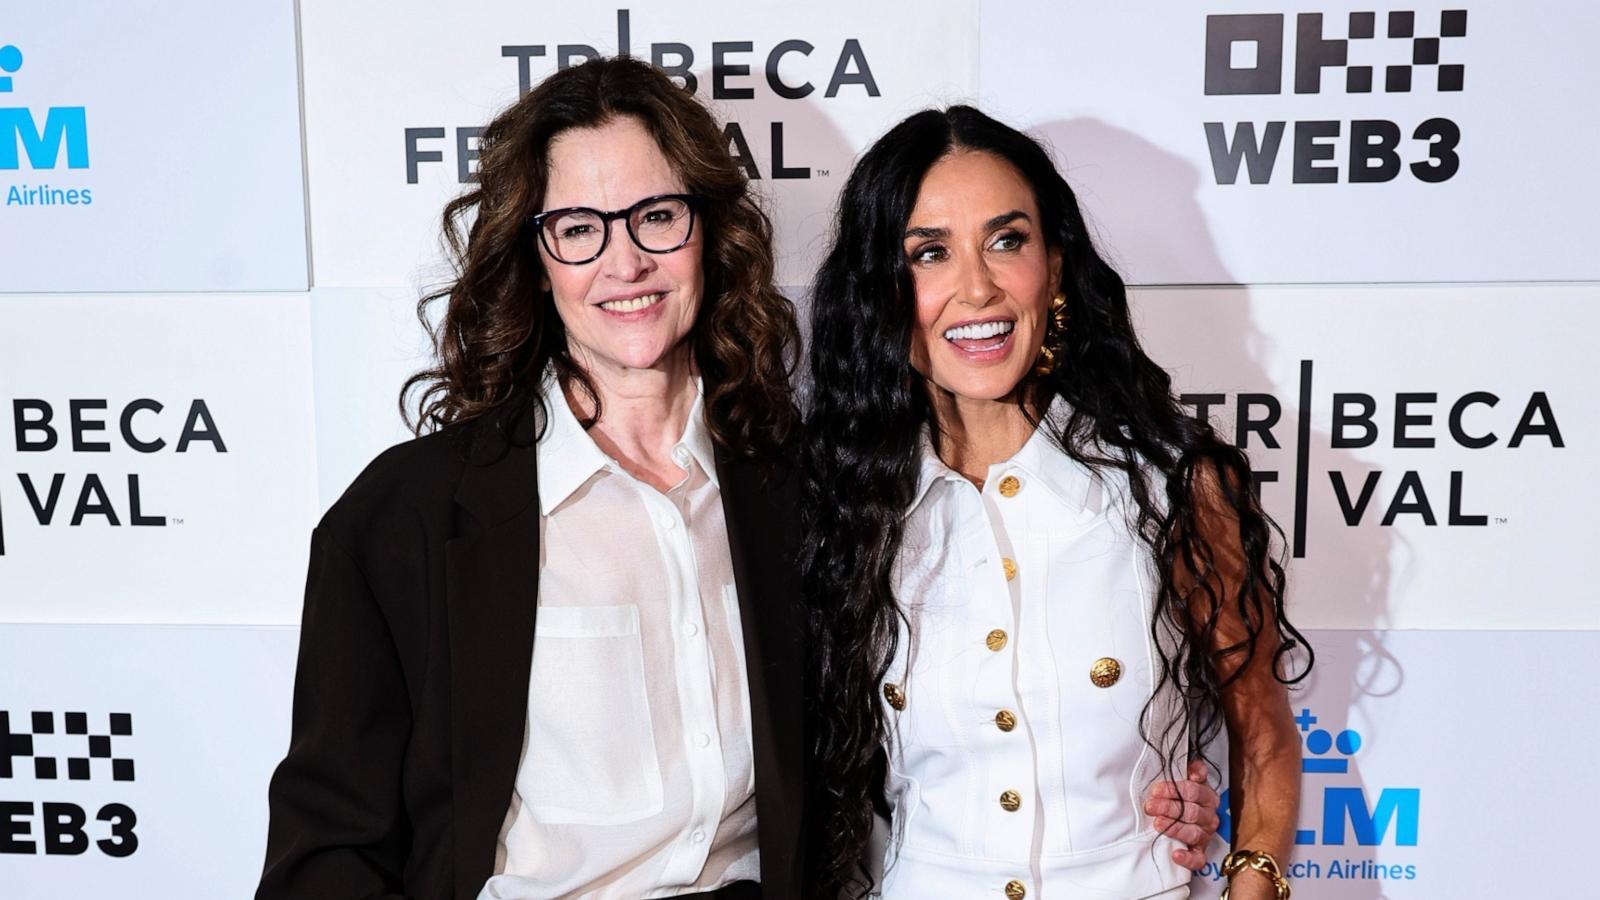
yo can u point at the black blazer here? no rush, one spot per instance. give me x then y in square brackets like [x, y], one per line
[410, 696]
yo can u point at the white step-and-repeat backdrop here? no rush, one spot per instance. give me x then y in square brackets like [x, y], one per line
[1363, 238]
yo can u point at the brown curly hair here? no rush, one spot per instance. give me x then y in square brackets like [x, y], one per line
[500, 328]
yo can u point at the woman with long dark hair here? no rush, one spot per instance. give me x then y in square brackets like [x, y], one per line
[1037, 585]
[553, 646]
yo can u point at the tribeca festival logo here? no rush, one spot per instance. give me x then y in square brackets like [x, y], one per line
[24, 139]
[730, 76]
[46, 749]
[1343, 813]
[1476, 420]
[143, 425]
[1244, 54]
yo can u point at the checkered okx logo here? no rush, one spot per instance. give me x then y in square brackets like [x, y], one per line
[1244, 53]
[96, 758]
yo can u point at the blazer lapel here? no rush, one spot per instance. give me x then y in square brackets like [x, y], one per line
[760, 510]
[492, 587]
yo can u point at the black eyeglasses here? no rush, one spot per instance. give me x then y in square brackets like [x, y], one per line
[577, 234]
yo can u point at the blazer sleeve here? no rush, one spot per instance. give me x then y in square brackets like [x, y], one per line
[337, 828]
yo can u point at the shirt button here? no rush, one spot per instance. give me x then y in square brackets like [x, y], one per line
[681, 454]
[1105, 672]
[1010, 565]
[1010, 801]
[702, 740]
[996, 640]
[1009, 486]
[1015, 890]
[699, 837]
[1005, 720]
[691, 629]
[666, 521]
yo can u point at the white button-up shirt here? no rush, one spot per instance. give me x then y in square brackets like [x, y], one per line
[1010, 769]
[637, 776]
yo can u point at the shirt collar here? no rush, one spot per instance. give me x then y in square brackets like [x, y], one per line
[569, 457]
[1073, 483]
[1040, 459]
[697, 437]
[933, 471]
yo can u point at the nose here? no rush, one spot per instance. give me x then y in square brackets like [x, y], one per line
[977, 285]
[623, 260]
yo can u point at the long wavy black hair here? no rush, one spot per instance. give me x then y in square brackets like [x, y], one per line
[868, 409]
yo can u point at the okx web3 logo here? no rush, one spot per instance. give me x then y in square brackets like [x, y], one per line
[39, 140]
[1344, 69]
[39, 751]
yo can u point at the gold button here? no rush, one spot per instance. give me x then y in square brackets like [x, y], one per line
[1015, 890]
[996, 640]
[1005, 720]
[1010, 565]
[1010, 801]
[1105, 672]
[1009, 486]
[895, 696]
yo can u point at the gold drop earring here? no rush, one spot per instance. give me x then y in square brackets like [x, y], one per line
[1054, 335]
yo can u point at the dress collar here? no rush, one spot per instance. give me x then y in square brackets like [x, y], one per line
[1040, 459]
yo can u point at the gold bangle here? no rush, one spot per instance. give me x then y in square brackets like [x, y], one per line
[1240, 860]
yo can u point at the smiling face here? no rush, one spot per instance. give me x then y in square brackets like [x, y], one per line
[629, 309]
[983, 275]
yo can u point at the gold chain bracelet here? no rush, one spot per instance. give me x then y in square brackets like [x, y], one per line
[1239, 860]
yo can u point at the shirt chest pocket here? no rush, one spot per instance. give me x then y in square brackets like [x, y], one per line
[591, 751]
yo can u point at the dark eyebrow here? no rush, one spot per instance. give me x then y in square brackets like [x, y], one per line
[1005, 219]
[992, 224]
[927, 232]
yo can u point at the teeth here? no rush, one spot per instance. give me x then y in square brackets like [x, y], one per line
[634, 305]
[979, 331]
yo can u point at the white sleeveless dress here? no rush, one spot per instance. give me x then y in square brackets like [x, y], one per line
[1016, 765]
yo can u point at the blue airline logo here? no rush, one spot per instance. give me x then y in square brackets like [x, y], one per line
[1346, 813]
[64, 127]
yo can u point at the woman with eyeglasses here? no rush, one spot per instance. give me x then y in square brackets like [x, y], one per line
[553, 647]
[1036, 584]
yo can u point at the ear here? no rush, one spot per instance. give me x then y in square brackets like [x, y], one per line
[1055, 257]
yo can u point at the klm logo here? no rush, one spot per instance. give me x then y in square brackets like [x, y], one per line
[1396, 809]
[65, 128]
[1348, 815]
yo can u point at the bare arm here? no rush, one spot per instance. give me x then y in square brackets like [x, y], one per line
[1263, 746]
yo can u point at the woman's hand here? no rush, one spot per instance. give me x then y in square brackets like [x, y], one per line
[1187, 811]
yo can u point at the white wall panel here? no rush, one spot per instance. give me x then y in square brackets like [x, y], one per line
[1465, 750]
[174, 478]
[1122, 92]
[375, 70]
[1451, 534]
[193, 721]
[365, 344]
[151, 145]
